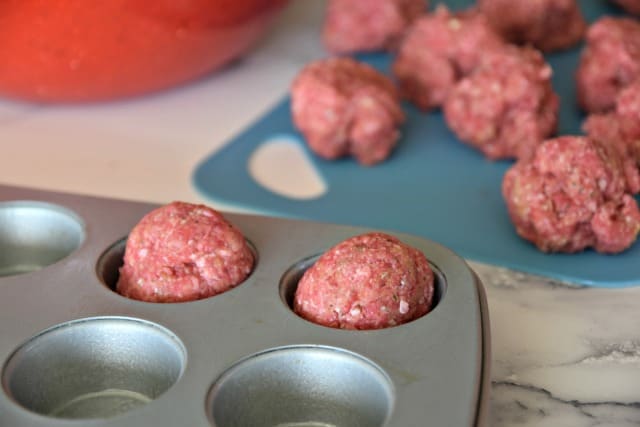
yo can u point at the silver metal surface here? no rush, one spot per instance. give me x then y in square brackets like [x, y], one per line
[94, 368]
[244, 348]
[302, 385]
[35, 234]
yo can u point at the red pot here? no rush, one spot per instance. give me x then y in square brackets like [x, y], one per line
[88, 50]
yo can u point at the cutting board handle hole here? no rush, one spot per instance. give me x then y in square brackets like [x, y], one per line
[280, 157]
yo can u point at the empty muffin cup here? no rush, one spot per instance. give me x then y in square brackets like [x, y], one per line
[94, 368]
[34, 235]
[302, 386]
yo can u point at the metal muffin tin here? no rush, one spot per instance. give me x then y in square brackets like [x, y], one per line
[71, 348]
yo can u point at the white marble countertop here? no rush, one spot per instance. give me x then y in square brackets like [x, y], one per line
[563, 355]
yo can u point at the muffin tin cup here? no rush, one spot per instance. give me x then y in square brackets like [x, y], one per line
[94, 368]
[302, 386]
[34, 235]
[433, 370]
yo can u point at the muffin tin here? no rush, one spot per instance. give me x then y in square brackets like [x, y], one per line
[72, 349]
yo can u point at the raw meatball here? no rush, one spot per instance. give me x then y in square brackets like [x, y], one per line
[606, 128]
[609, 62]
[370, 281]
[571, 196]
[183, 252]
[547, 24]
[631, 6]
[439, 49]
[368, 25]
[344, 107]
[621, 129]
[507, 106]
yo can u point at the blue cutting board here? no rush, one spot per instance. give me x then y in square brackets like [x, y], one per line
[432, 185]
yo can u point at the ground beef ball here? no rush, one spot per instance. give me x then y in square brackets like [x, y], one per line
[438, 50]
[606, 128]
[507, 106]
[547, 24]
[631, 6]
[183, 252]
[344, 107]
[571, 196]
[368, 25]
[370, 281]
[628, 111]
[621, 129]
[609, 62]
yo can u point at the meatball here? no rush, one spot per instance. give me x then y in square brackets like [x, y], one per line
[628, 110]
[183, 252]
[621, 129]
[345, 107]
[507, 106]
[370, 281]
[438, 50]
[606, 128]
[631, 6]
[546, 24]
[368, 25]
[609, 62]
[571, 196]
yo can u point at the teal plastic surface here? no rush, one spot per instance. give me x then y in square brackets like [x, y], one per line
[432, 185]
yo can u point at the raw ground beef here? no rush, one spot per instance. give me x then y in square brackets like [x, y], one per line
[507, 106]
[605, 127]
[183, 252]
[571, 196]
[609, 62]
[547, 24]
[621, 130]
[370, 281]
[631, 6]
[368, 25]
[439, 49]
[345, 107]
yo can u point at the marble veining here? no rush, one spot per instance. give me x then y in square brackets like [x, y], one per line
[563, 355]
